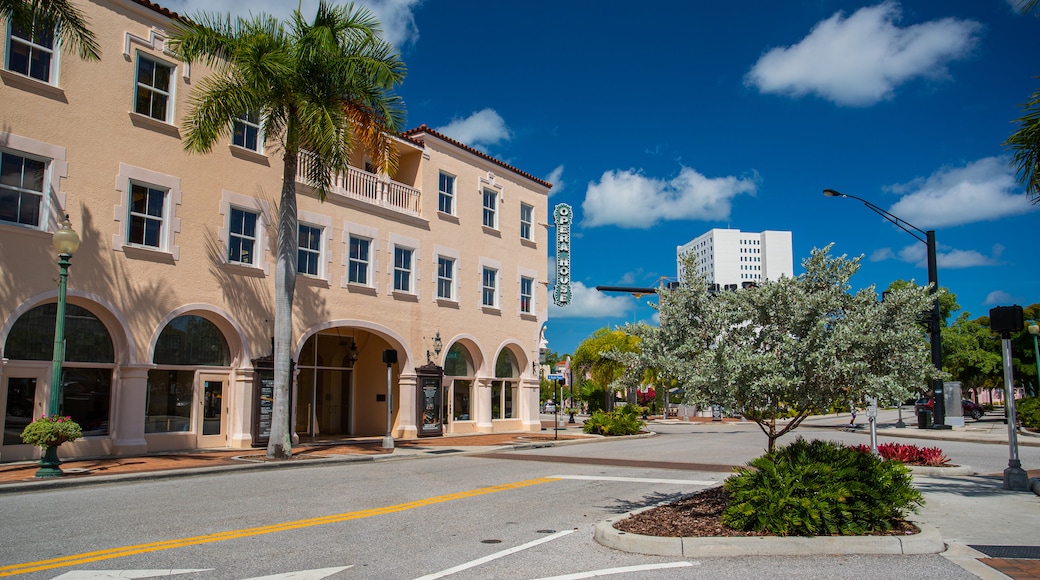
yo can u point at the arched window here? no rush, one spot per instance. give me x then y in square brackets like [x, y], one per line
[458, 365]
[187, 341]
[86, 390]
[504, 387]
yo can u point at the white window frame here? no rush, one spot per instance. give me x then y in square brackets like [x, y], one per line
[452, 254]
[247, 124]
[485, 192]
[169, 94]
[41, 212]
[52, 69]
[51, 213]
[485, 288]
[172, 224]
[446, 281]
[323, 223]
[316, 252]
[243, 237]
[146, 218]
[487, 264]
[443, 194]
[529, 296]
[527, 224]
[262, 209]
[365, 260]
[355, 230]
[404, 270]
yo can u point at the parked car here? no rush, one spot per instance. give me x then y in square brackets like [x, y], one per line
[550, 407]
[968, 408]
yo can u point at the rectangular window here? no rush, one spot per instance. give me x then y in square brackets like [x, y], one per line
[246, 132]
[168, 401]
[242, 237]
[446, 194]
[402, 269]
[526, 297]
[152, 94]
[147, 214]
[445, 278]
[357, 270]
[490, 205]
[21, 188]
[308, 257]
[488, 284]
[31, 54]
[526, 221]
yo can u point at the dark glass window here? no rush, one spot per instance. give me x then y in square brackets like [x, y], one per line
[21, 188]
[193, 341]
[86, 338]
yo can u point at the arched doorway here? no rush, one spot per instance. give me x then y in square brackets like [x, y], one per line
[86, 394]
[459, 376]
[187, 392]
[324, 385]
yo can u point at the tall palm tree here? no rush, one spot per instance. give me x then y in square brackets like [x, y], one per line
[68, 23]
[1025, 142]
[320, 89]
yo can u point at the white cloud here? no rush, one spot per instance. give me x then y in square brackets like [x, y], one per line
[999, 297]
[945, 258]
[631, 200]
[860, 60]
[483, 128]
[556, 178]
[982, 190]
[396, 16]
[591, 303]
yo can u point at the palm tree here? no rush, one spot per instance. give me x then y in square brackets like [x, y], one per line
[1025, 142]
[68, 23]
[321, 89]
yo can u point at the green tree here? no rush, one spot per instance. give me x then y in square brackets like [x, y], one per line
[608, 372]
[971, 354]
[39, 17]
[321, 89]
[789, 348]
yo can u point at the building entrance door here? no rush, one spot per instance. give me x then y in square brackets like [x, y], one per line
[22, 396]
[212, 410]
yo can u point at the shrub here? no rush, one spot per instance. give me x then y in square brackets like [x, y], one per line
[910, 454]
[621, 421]
[1028, 412]
[51, 431]
[819, 488]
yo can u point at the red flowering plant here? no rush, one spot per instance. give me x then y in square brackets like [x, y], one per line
[910, 454]
[51, 431]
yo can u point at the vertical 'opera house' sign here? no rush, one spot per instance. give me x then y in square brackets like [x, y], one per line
[562, 218]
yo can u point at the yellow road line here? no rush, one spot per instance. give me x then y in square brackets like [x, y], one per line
[123, 551]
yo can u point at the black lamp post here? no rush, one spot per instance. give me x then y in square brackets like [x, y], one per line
[934, 326]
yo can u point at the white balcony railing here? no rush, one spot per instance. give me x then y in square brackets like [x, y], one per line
[371, 188]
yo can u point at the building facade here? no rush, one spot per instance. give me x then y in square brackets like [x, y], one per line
[732, 258]
[170, 311]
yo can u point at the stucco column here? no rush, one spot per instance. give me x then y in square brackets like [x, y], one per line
[127, 416]
[405, 427]
[529, 395]
[482, 386]
[240, 426]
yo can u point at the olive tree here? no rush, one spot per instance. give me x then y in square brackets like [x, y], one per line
[787, 349]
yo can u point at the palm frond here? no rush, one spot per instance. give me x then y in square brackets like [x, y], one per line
[71, 27]
[1025, 147]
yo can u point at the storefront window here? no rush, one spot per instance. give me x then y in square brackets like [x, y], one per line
[461, 402]
[192, 341]
[504, 392]
[168, 405]
[458, 367]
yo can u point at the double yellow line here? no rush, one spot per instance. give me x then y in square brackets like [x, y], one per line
[123, 551]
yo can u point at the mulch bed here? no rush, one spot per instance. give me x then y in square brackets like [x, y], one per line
[700, 516]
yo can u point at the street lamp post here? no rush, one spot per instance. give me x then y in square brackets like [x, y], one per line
[934, 326]
[65, 242]
[1034, 329]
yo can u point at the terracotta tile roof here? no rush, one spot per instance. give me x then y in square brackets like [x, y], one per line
[423, 129]
[157, 8]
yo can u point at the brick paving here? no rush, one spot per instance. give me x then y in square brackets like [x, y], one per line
[1017, 568]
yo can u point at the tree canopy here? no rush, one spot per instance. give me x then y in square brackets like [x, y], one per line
[789, 348]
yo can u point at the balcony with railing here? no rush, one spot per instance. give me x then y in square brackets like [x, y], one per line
[378, 190]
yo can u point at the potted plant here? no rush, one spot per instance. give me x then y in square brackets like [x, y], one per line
[48, 433]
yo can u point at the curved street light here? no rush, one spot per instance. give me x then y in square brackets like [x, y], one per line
[934, 326]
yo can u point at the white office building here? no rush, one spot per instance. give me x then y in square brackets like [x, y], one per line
[732, 258]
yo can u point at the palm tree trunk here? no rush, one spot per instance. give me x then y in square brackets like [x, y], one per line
[280, 444]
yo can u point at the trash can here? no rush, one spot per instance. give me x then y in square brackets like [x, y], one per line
[924, 419]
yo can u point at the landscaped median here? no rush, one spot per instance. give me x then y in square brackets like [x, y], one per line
[927, 541]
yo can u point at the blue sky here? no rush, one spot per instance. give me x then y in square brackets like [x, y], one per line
[658, 122]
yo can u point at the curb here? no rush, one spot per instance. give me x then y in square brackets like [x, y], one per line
[951, 471]
[927, 542]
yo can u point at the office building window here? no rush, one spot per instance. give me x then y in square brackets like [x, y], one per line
[490, 208]
[147, 218]
[308, 257]
[32, 54]
[445, 278]
[242, 237]
[359, 259]
[402, 269]
[489, 282]
[446, 194]
[526, 295]
[526, 221]
[246, 132]
[21, 188]
[153, 91]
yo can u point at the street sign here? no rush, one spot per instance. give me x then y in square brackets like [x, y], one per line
[555, 377]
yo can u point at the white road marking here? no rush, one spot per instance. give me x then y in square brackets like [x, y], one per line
[636, 479]
[494, 556]
[316, 574]
[621, 570]
[102, 574]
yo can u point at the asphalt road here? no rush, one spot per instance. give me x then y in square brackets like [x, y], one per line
[513, 515]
